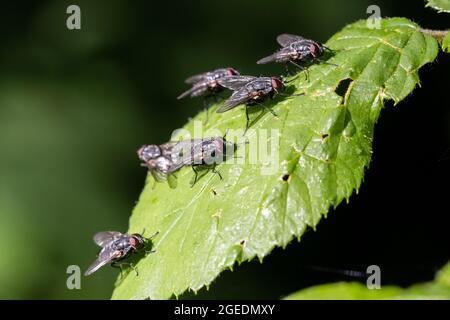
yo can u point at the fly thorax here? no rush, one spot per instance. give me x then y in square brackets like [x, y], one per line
[180, 150]
[212, 152]
[259, 86]
[213, 84]
[163, 164]
[120, 244]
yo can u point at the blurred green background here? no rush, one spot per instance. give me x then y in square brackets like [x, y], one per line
[76, 105]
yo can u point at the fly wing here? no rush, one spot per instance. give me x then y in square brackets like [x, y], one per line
[172, 181]
[237, 98]
[196, 78]
[235, 82]
[105, 257]
[159, 176]
[196, 90]
[286, 39]
[185, 151]
[162, 176]
[282, 55]
[273, 57]
[104, 237]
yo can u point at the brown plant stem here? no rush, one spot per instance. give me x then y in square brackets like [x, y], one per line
[439, 35]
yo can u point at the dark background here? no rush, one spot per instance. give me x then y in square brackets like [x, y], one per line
[75, 106]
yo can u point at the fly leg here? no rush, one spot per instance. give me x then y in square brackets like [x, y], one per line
[271, 111]
[325, 62]
[247, 124]
[208, 101]
[247, 119]
[132, 266]
[215, 171]
[117, 265]
[153, 235]
[206, 116]
[288, 72]
[195, 177]
[129, 264]
[267, 108]
[206, 104]
[301, 69]
[149, 238]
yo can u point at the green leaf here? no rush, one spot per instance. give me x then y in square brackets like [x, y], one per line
[324, 147]
[439, 5]
[439, 289]
[446, 43]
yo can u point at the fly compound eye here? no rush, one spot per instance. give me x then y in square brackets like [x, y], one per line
[232, 72]
[134, 242]
[138, 241]
[277, 84]
[149, 152]
[314, 49]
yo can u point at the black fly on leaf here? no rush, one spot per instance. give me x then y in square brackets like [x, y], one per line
[160, 161]
[116, 247]
[163, 160]
[295, 50]
[207, 82]
[207, 152]
[249, 90]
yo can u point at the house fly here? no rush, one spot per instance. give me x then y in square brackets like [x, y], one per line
[205, 151]
[202, 152]
[159, 160]
[295, 49]
[163, 160]
[207, 82]
[162, 169]
[153, 151]
[250, 90]
[116, 247]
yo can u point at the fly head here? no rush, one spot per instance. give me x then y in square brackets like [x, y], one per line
[232, 72]
[316, 49]
[277, 84]
[149, 152]
[137, 241]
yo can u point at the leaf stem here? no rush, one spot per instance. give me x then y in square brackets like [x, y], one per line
[439, 35]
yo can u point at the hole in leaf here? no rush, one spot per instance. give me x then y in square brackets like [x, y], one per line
[342, 87]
